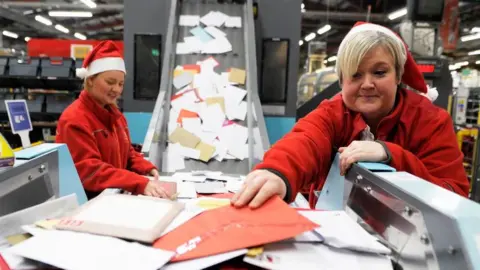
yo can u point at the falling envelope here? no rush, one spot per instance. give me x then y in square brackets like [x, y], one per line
[206, 151]
[216, 100]
[237, 76]
[182, 80]
[185, 138]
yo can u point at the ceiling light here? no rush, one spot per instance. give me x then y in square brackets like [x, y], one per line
[27, 39]
[300, 42]
[397, 14]
[27, 12]
[303, 6]
[332, 58]
[78, 14]
[477, 62]
[324, 29]
[310, 37]
[461, 64]
[43, 20]
[470, 37]
[10, 34]
[89, 3]
[474, 52]
[80, 36]
[62, 28]
[325, 61]
[303, 10]
[476, 29]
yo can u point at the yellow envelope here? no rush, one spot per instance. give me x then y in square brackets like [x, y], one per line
[237, 76]
[183, 137]
[216, 100]
[206, 151]
[17, 238]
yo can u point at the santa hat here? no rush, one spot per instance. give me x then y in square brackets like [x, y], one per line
[104, 57]
[412, 76]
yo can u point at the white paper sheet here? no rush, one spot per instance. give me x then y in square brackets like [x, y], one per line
[234, 94]
[183, 48]
[189, 212]
[172, 161]
[207, 137]
[236, 112]
[218, 45]
[239, 151]
[213, 118]
[220, 150]
[193, 44]
[205, 262]
[187, 176]
[183, 151]
[193, 125]
[182, 80]
[69, 250]
[233, 22]
[283, 255]
[185, 101]
[234, 186]
[214, 18]
[215, 32]
[341, 231]
[189, 20]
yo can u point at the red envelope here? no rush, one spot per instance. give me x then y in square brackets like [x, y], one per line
[195, 68]
[186, 114]
[228, 228]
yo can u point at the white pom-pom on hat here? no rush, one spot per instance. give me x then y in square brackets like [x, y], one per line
[81, 73]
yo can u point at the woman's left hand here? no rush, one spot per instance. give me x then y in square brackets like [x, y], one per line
[155, 174]
[360, 151]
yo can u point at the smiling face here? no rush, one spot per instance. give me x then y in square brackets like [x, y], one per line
[372, 88]
[106, 87]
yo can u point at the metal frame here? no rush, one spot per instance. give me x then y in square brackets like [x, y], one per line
[38, 172]
[421, 236]
[157, 134]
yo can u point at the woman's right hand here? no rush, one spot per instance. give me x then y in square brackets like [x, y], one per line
[155, 189]
[259, 186]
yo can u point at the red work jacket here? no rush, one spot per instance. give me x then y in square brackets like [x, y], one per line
[419, 135]
[99, 142]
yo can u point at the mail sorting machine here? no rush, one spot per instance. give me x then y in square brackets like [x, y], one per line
[425, 226]
[243, 55]
[40, 173]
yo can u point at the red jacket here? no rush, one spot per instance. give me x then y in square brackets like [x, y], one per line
[99, 142]
[419, 135]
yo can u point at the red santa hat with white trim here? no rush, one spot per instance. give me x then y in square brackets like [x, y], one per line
[104, 57]
[412, 76]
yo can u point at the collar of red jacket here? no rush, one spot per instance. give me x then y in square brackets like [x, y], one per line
[108, 116]
[387, 123]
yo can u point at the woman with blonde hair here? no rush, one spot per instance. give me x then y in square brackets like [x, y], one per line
[372, 119]
[96, 132]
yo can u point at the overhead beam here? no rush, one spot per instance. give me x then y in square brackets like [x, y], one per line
[344, 16]
[59, 5]
[19, 18]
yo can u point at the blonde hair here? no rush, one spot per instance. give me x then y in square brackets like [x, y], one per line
[356, 45]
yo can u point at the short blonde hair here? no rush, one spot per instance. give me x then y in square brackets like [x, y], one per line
[356, 45]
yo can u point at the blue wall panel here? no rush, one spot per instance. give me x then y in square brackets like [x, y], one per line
[278, 126]
[138, 125]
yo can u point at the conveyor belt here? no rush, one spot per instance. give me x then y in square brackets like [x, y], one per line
[243, 55]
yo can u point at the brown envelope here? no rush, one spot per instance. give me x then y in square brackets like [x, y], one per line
[216, 100]
[206, 151]
[185, 138]
[237, 76]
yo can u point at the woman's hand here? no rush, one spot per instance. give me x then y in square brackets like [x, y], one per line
[155, 189]
[259, 186]
[155, 174]
[360, 151]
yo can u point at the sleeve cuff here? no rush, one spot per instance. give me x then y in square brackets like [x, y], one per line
[387, 151]
[288, 194]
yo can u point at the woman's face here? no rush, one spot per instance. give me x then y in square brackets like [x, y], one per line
[106, 87]
[372, 89]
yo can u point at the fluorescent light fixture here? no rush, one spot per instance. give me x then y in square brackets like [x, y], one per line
[80, 36]
[310, 37]
[27, 39]
[78, 14]
[89, 3]
[62, 28]
[470, 37]
[325, 61]
[332, 58]
[397, 14]
[477, 62]
[118, 27]
[303, 6]
[300, 42]
[476, 29]
[461, 64]
[324, 29]
[474, 52]
[9, 34]
[43, 20]
[453, 67]
[303, 10]
[27, 12]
